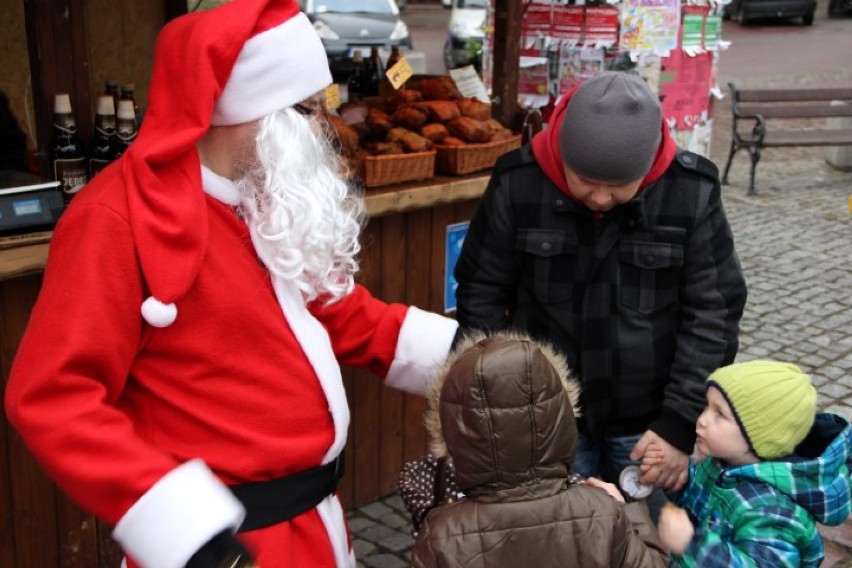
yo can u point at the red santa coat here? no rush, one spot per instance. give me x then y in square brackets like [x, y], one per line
[116, 410]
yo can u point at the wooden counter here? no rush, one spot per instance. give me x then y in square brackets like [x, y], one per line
[27, 254]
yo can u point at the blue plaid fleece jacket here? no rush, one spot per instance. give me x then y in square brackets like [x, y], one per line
[765, 514]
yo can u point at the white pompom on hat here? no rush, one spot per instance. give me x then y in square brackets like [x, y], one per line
[233, 64]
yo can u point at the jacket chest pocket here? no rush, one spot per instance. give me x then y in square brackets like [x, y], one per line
[649, 275]
[547, 265]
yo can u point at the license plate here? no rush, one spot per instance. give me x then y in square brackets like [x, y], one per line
[365, 52]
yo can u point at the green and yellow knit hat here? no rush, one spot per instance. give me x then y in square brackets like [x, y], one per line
[774, 403]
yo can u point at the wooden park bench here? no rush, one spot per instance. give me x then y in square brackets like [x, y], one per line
[756, 107]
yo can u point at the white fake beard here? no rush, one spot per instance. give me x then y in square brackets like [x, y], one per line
[304, 219]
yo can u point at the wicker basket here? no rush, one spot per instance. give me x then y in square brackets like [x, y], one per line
[460, 160]
[397, 168]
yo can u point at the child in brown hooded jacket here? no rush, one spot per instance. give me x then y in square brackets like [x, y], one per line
[502, 410]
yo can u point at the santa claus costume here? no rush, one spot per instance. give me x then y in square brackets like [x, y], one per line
[225, 377]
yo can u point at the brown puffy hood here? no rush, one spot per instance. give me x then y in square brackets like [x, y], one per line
[505, 406]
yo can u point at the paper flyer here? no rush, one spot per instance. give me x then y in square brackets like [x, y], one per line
[650, 25]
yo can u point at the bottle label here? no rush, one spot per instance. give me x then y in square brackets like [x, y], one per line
[126, 131]
[105, 126]
[96, 165]
[65, 123]
[72, 174]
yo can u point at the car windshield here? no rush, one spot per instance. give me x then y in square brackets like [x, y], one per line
[352, 6]
[472, 4]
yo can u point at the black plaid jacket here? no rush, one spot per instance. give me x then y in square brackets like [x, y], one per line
[645, 301]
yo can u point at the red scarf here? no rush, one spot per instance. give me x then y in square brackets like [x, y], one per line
[545, 147]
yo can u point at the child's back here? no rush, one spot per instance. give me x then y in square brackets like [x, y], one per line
[502, 409]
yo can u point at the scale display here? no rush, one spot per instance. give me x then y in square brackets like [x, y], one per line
[30, 208]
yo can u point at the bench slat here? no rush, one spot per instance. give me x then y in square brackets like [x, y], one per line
[839, 137]
[789, 95]
[796, 111]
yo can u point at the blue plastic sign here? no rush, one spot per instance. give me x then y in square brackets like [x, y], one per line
[455, 239]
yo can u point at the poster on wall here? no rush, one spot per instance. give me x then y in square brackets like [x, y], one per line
[650, 25]
[685, 88]
[452, 250]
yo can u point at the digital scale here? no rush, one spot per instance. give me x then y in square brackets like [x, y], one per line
[28, 204]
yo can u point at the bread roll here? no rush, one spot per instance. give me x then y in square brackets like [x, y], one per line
[468, 129]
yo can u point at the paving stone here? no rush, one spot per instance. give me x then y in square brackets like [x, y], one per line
[376, 510]
[395, 502]
[358, 524]
[362, 547]
[395, 520]
[377, 533]
[385, 561]
[398, 542]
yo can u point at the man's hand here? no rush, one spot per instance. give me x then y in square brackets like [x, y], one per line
[675, 529]
[670, 466]
[608, 487]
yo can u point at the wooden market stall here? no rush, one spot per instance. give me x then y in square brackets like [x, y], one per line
[74, 45]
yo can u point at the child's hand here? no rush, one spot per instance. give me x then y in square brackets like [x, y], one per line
[675, 528]
[608, 487]
[665, 466]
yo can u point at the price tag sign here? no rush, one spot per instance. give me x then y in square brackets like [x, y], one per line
[332, 96]
[399, 73]
[469, 83]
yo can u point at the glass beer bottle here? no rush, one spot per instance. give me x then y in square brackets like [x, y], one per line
[67, 156]
[355, 83]
[103, 141]
[126, 128]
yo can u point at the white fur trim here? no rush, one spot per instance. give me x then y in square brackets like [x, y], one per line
[315, 343]
[174, 518]
[275, 69]
[219, 187]
[332, 517]
[423, 345]
[157, 313]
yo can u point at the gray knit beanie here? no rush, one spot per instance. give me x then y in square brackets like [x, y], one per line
[611, 129]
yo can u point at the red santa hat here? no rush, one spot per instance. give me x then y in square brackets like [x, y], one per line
[229, 65]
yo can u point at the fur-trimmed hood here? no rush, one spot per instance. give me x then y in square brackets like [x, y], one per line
[503, 407]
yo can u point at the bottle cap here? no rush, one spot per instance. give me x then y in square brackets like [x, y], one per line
[629, 482]
[126, 110]
[129, 87]
[62, 103]
[111, 83]
[106, 106]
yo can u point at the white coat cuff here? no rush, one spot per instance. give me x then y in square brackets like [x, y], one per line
[423, 345]
[177, 516]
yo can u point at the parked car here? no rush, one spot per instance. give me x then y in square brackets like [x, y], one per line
[465, 33]
[745, 11]
[347, 25]
[838, 8]
[447, 3]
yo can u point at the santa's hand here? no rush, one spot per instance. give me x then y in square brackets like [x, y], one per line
[222, 551]
[608, 487]
[671, 469]
[675, 529]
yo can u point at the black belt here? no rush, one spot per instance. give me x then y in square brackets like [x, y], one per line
[271, 502]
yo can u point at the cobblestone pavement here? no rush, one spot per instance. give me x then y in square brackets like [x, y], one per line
[794, 239]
